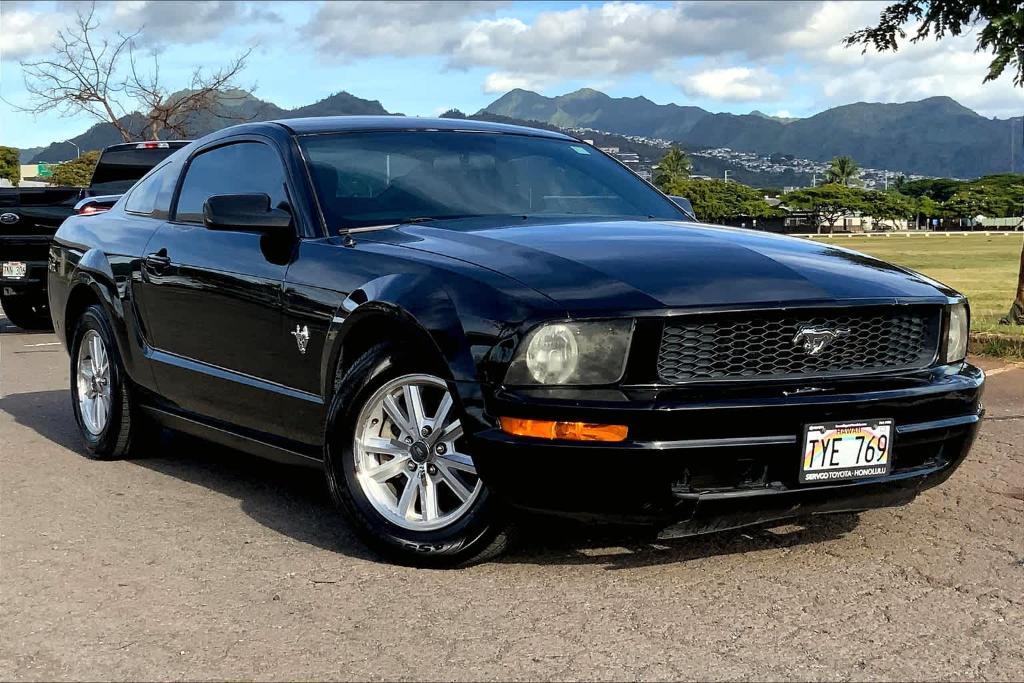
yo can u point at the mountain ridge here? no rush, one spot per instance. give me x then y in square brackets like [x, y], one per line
[935, 136]
[236, 107]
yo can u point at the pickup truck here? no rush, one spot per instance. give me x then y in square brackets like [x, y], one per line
[30, 216]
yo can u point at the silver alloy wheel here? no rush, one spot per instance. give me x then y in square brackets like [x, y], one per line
[93, 381]
[406, 458]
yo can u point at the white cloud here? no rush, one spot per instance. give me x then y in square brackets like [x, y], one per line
[620, 38]
[735, 84]
[916, 71]
[177, 21]
[29, 29]
[346, 30]
[828, 23]
[502, 82]
[25, 33]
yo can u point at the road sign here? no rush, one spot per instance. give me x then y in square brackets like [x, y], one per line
[43, 171]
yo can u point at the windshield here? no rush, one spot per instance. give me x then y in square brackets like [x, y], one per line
[379, 178]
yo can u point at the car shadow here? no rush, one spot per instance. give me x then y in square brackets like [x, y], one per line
[559, 543]
[294, 501]
[290, 500]
[7, 327]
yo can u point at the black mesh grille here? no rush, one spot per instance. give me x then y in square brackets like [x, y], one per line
[766, 345]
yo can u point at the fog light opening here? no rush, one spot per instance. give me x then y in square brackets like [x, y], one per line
[568, 431]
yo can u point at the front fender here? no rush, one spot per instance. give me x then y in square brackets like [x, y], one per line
[419, 301]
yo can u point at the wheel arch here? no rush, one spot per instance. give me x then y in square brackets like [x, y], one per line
[93, 282]
[412, 308]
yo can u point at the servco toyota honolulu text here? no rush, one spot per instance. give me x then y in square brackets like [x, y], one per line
[456, 319]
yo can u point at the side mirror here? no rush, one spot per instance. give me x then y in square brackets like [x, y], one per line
[684, 204]
[245, 213]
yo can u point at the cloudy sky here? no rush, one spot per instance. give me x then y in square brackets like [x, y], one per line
[422, 58]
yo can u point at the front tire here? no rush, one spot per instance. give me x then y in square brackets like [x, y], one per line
[29, 311]
[396, 462]
[101, 395]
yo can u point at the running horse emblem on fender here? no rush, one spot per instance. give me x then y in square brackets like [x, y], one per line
[301, 335]
[814, 340]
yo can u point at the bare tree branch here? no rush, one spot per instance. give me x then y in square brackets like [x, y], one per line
[87, 74]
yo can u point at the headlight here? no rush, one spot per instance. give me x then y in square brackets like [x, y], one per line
[572, 354]
[956, 338]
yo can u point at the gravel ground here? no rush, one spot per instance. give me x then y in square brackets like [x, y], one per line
[198, 562]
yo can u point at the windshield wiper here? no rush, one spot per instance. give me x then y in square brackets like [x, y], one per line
[427, 219]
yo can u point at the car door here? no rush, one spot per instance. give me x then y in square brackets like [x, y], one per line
[212, 298]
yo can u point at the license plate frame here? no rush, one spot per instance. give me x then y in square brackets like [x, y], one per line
[14, 270]
[839, 451]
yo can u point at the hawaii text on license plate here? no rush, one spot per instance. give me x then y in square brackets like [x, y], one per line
[846, 450]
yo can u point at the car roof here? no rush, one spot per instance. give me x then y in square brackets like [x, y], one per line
[171, 144]
[346, 124]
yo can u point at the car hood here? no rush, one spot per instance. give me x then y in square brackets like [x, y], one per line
[633, 265]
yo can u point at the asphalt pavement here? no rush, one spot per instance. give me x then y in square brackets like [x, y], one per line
[197, 562]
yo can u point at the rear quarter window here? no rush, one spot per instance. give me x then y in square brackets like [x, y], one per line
[152, 195]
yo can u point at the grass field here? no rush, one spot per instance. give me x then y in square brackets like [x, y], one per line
[982, 267]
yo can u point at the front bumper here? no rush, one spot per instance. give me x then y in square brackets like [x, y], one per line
[705, 459]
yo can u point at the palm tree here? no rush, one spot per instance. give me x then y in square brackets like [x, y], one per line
[675, 165]
[842, 171]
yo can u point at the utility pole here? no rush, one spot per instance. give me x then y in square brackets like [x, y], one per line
[726, 175]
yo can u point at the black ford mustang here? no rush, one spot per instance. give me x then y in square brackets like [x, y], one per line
[455, 318]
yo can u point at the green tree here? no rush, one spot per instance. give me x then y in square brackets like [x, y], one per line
[675, 165]
[716, 200]
[889, 207]
[1002, 33]
[994, 196]
[827, 204]
[925, 207]
[10, 165]
[939, 189]
[842, 171]
[77, 172]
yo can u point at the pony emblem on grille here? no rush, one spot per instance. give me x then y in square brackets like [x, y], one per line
[814, 340]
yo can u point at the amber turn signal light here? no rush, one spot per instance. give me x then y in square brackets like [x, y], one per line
[570, 431]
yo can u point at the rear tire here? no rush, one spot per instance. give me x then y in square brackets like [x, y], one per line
[101, 394]
[29, 311]
[450, 519]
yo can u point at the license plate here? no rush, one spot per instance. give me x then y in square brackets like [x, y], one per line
[841, 451]
[14, 269]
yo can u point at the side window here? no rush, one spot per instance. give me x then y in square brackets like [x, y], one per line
[239, 168]
[142, 197]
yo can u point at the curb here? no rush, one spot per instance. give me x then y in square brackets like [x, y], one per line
[996, 344]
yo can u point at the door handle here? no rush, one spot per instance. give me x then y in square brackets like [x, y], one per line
[158, 261]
